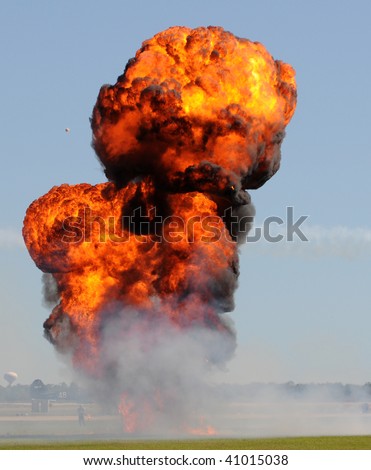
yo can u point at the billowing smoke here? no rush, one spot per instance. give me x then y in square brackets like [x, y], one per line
[145, 265]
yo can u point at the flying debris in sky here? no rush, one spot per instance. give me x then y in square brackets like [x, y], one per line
[67, 130]
[144, 266]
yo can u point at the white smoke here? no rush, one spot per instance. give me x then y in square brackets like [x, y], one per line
[287, 410]
[338, 241]
[160, 372]
[10, 238]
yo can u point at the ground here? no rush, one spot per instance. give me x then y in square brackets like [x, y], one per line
[18, 424]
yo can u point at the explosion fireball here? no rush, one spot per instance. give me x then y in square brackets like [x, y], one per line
[145, 265]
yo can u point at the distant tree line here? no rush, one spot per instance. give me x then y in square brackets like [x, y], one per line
[229, 392]
[296, 391]
[39, 390]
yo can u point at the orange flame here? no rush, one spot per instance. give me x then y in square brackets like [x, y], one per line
[197, 118]
[134, 418]
[194, 96]
[203, 429]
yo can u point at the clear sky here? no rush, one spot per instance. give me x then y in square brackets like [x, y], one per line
[302, 309]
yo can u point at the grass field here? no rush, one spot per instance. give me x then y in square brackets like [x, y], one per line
[297, 443]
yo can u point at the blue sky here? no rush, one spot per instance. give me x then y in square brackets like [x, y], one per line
[302, 309]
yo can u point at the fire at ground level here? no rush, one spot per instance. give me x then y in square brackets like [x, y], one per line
[237, 419]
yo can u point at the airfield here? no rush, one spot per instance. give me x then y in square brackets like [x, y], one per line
[236, 420]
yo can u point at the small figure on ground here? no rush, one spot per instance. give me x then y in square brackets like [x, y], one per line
[81, 415]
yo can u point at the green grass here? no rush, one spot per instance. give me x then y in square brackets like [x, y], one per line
[292, 443]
